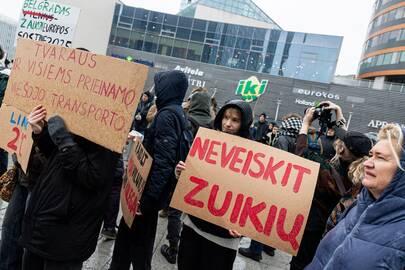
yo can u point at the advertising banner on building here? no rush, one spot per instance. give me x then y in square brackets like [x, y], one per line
[47, 21]
[137, 172]
[96, 95]
[15, 134]
[260, 191]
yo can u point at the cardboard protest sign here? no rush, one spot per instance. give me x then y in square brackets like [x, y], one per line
[47, 21]
[257, 190]
[15, 134]
[139, 165]
[96, 95]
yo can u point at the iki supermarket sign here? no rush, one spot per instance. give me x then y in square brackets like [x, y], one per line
[251, 88]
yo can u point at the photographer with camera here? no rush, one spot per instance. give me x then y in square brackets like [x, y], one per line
[333, 180]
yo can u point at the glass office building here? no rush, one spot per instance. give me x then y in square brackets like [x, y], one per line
[384, 54]
[245, 8]
[269, 51]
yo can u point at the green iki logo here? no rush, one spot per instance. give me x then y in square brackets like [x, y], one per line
[251, 88]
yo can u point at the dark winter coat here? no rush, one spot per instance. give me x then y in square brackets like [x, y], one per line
[244, 132]
[66, 207]
[372, 233]
[162, 139]
[142, 110]
[261, 131]
[326, 194]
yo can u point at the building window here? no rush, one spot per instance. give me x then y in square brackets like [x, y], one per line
[194, 51]
[141, 14]
[200, 24]
[255, 61]
[180, 49]
[183, 33]
[136, 41]
[197, 36]
[156, 17]
[224, 56]
[139, 25]
[239, 59]
[228, 41]
[185, 22]
[170, 19]
[122, 37]
[151, 43]
[209, 54]
[165, 46]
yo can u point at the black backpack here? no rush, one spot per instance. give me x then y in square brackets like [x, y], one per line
[184, 132]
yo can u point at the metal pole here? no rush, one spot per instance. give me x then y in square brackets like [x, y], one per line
[350, 119]
[278, 106]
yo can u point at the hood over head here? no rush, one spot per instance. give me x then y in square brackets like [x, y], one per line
[200, 107]
[247, 116]
[170, 88]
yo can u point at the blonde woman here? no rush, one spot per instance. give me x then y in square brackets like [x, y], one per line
[371, 234]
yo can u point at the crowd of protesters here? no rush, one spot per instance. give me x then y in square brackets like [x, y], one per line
[70, 192]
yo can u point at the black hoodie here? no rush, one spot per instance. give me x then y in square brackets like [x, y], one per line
[162, 139]
[247, 118]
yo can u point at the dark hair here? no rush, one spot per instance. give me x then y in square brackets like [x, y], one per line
[263, 115]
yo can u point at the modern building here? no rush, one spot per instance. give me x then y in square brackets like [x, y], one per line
[244, 12]
[277, 71]
[383, 57]
[8, 28]
[269, 51]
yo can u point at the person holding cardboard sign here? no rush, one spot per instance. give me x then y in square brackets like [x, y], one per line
[204, 245]
[65, 210]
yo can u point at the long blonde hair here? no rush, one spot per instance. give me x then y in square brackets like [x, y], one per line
[393, 133]
[356, 170]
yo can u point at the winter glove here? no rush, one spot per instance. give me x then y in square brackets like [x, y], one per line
[59, 134]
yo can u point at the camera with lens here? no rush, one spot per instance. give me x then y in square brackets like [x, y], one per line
[324, 116]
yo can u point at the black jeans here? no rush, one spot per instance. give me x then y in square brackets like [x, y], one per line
[198, 253]
[135, 245]
[306, 253]
[11, 252]
[173, 226]
[113, 207]
[34, 262]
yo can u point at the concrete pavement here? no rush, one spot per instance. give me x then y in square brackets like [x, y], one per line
[100, 260]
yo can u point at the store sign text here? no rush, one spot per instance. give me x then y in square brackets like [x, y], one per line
[313, 93]
[251, 88]
[379, 124]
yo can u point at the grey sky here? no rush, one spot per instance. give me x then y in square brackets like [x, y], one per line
[347, 18]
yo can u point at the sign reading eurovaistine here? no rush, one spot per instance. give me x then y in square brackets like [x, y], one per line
[43, 20]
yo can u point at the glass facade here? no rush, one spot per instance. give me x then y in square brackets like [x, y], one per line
[289, 54]
[383, 59]
[384, 38]
[244, 8]
[395, 14]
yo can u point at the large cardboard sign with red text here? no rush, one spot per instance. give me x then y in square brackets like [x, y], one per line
[15, 134]
[137, 172]
[257, 190]
[96, 95]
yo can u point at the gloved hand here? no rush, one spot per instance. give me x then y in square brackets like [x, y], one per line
[60, 136]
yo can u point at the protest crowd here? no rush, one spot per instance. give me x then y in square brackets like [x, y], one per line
[70, 192]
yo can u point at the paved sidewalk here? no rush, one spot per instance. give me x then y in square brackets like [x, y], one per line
[101, 258]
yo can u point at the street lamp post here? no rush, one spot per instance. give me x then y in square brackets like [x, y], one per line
[278, 107]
